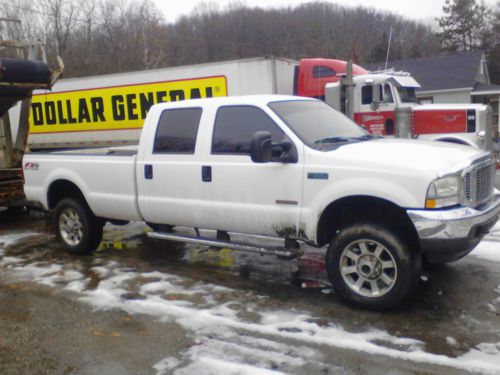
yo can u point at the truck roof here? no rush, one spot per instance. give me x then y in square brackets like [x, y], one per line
[402, 79]
[178, 68]
[230, 100]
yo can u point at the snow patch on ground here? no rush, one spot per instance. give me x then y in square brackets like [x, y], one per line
[487, 250]
[489, 247]
[11, 238]
[40, 272]
[451, 341]
[210, 365]
[7, 261]
[486, 353]
[166, 365]
[220, 327]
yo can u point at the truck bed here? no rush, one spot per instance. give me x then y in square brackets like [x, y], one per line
[98, 151]
[106, 177]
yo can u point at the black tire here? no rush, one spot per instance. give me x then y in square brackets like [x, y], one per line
[385, 279]
[84, 233]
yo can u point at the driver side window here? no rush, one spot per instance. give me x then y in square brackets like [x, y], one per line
[385, 94]
[235, 126]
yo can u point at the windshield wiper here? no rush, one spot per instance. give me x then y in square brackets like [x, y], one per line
[331, 140]
[366, 137]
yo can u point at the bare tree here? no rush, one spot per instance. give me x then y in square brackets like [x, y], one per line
[107, 36]
[88, 20]
[61, 17]
[30, 20]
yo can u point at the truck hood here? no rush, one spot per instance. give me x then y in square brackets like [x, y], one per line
[438, 158]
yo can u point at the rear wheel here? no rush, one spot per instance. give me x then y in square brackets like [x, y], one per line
[78, 230]
[371, 267]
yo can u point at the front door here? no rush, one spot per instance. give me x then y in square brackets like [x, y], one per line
[243, 196]
[382, 120]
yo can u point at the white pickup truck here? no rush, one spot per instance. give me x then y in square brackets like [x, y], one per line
[279, 166]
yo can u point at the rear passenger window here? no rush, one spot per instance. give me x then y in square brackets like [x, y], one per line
[176, 132]
[235, 126]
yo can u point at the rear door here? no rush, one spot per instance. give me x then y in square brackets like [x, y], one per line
[168, 173]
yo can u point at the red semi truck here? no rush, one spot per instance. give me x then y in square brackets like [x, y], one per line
[372, 99]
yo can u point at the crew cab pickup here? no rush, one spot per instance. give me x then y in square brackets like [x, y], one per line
[279, 166]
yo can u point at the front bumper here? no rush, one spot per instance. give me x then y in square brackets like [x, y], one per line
[448, 235]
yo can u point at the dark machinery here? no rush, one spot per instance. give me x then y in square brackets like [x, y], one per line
[18, 78]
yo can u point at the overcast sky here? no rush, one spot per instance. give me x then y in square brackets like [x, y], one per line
[416, 9]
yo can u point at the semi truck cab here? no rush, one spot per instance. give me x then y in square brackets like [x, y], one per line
[375, 98]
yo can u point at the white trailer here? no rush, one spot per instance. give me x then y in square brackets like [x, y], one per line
[110, 109]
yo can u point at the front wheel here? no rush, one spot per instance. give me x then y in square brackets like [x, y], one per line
[78, 230]
[371, 267]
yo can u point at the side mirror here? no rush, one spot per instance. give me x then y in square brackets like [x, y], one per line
[287, 152]
[481, 135]
[261, 150]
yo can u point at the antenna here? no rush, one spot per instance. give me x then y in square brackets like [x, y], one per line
[388, 49]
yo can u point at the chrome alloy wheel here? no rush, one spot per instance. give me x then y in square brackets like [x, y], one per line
[368, 268]
[70, 226]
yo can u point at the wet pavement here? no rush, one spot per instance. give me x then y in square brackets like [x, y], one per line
[138, 306]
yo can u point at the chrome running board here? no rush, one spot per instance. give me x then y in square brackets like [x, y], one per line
[279, 252]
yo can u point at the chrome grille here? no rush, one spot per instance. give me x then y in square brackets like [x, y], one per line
[479, 182]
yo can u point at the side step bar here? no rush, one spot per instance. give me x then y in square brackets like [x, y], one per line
[279, 252]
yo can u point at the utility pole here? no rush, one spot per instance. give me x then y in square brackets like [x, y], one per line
[388, 49]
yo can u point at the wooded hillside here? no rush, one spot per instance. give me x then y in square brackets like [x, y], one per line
[106, 36]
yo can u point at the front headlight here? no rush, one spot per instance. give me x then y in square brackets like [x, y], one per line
[444, 192]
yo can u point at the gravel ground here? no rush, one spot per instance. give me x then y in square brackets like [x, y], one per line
[138, 307]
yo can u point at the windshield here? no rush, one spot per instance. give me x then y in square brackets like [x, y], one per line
[317, 124]
[407, 94]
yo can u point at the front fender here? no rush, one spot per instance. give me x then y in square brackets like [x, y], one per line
[399, 194]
